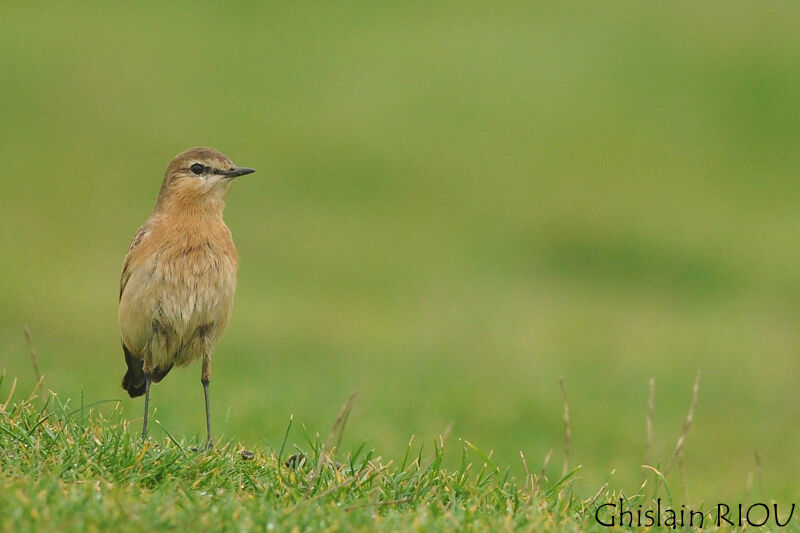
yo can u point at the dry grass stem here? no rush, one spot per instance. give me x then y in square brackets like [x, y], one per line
[567, 431]
[36, 388]
[10, 395]
[26, 330]
[446, 433]
[542, 473]
[528, 478]
[338, 427]
[686, 425]
[341, 421]
[599, 492]
[651, 403]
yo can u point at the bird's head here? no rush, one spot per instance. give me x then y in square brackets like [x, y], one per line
[198, 178]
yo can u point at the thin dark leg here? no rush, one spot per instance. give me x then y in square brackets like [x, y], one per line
[209, 439]
[146, 405]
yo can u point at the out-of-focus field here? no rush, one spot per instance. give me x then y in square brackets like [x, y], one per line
[454, 205]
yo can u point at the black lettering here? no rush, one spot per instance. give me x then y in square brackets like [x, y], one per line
[698, 514]
[766, 510]
[622, 515]
[777, 521]
[651, 521]
[670, 520]
[658, 512]
[597, 516]
[723, 516]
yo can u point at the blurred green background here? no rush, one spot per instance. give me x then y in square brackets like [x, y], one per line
[454, 205]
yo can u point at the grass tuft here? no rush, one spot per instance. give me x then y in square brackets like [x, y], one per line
[80, 468]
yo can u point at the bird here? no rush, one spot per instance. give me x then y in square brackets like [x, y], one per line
[179, 276]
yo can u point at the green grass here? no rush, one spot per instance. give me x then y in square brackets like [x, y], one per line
[455, 204]
[78, 467]
[73, 468]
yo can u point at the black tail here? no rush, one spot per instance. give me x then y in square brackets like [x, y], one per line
[133, 382]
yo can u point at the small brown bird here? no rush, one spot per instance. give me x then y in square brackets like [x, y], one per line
[179, 275]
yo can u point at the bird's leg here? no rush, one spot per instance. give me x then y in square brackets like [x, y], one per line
[206, 379]
[146, 405]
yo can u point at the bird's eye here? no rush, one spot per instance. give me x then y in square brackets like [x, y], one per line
[197, 169]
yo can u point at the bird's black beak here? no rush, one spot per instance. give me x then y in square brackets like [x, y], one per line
[238, 171]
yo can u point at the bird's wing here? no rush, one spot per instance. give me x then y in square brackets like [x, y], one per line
[126, 267]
